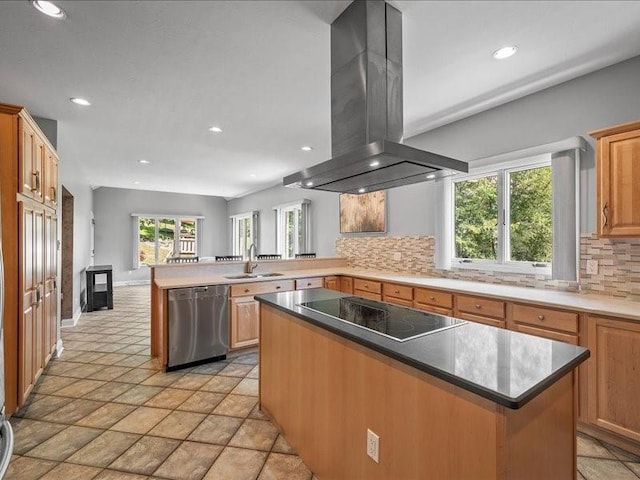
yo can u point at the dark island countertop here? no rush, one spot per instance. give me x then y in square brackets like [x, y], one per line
[509, 368]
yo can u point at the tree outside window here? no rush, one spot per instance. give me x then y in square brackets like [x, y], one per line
[158, 239]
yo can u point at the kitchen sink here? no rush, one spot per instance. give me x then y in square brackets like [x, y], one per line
[251, 275]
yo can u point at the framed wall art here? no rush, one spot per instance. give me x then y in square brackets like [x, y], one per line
[363, 213]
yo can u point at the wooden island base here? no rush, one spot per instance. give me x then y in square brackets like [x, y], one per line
[325, 392]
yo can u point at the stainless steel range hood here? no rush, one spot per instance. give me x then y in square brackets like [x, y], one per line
[366, 109]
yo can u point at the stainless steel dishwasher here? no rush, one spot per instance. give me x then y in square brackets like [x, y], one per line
[198, 325]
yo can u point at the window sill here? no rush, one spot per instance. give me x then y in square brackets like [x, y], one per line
[521, 268]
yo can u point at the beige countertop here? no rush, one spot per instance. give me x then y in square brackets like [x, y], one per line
[589, 303]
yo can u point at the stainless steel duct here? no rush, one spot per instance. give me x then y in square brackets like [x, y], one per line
[366, 109]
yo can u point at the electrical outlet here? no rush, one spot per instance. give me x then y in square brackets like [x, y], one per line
[592, 267]
[397, 256]
[373, 445]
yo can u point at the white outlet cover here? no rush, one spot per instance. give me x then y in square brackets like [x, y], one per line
[373, 446]
[592, 267]
[397, 256]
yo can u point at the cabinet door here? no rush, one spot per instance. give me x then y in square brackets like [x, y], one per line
[614, 383]
[245, 322]
[50, 178]
[346, 285]
[50, 286]
[26, 355]
[618, 177]
[27, 155]
[332, 283]
[38, 272]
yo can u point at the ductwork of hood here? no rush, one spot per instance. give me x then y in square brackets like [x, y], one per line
[366, 109]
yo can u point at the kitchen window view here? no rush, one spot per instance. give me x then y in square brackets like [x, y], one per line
[243, 228]
[160, 238]
[504, 217]
[293, 229]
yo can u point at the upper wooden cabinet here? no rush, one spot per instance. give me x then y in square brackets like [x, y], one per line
[50, 190]
[618, 174]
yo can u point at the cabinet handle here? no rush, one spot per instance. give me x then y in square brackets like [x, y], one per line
[278, 287]
[37, 177]
[308, 284]
[54, 197]
[478, 306]
[432, 298]
[397, 291]
[605, 217]
[541, 317]
[246, 290]
[367, 287]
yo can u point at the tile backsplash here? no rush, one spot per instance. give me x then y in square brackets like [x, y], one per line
[618, 273]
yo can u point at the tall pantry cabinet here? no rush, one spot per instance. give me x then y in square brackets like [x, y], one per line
[29, 202]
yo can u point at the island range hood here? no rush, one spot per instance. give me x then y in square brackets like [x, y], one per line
[366, 110]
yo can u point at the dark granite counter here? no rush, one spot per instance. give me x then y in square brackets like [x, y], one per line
[509, 368]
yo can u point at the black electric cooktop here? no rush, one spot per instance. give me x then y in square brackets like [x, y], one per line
[392, 321]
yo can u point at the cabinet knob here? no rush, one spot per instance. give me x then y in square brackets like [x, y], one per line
[478, 306]
[367, 287]
[605, 217]
[308, 284]
[432, 298]
[397, 291]
[278, 287]
[246, 290]
[540, 317]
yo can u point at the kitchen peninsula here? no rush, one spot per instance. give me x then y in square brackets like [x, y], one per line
[502, 402]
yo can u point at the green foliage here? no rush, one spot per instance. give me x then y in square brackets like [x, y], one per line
[476, 218]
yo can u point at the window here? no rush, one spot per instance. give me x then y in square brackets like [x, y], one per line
[244, 228]
[160, 237]
[293, 229]
[504, 217]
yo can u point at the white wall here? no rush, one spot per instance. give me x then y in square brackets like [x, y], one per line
[112, 208]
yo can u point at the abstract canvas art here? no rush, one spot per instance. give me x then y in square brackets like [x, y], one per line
[364, 213]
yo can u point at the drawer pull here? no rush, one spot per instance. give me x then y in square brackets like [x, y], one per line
[246, 290]
[478, 306]
[397, 291]
[541, 317]
[308, 284]
[367, 287]
[278, 287]
[432, 298]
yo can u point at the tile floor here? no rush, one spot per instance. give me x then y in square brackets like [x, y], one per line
[105, 411]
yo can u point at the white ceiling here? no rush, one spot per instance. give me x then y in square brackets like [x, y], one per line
[159, 74]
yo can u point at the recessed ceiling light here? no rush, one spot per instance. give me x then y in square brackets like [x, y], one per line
[362, 190]
[306, 149]
[215, 129]
[430, 176]
[505, 52]
[136, 183]
[80, 101]
[252, 175]
[309, 184]
[375, 163]
[145, 162]
[49, 8]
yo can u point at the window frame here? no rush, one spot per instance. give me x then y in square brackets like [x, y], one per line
[253, 217]
[305, 244]
[502, 262]
[198, 219]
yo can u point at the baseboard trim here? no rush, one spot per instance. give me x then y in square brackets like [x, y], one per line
[128, 283]
[71, 322]
[59, 348]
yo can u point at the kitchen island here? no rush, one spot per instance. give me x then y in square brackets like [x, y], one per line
[469, 401]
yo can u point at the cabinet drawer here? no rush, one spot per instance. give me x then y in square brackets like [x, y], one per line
[433, 309]
[481, 306]
[372, 296]
[546, 318]
[257, 288]
[346, 285]
[397, 291]
[303, 283]
[540, 332]
[367, 285]
[433, 297]
[399, 301]
[484, 320]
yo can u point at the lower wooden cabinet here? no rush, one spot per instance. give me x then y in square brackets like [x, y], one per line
[346, 285]
[614, 376]
[245, 322]
[332, 283]
[313, 282]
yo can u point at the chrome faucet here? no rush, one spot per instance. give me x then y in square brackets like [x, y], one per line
[253, 252]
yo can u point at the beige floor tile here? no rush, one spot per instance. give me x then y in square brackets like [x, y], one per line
[107, 415]
[68, 471]
[221, 384]
[259, 414]
[236, 464]
[236, 370]
[64, 444]
[79, 388]
[27, 468]
[61, 368]
[73, 411]
[621, 454]
[109, 391]
[255, 434]
[254, 373]
[248, 358]
[146, 455]
[202, 402]
[209, 368]
[177, 425]
[138, 395]
[152, 364]
[163, 379]
[190, 461]
[169, 398]
[109, 373]
[248, 386]
[604, 469]
[282, 446]
[116, 475]
[84, 370]
[132, 349]
[216, 429]
[590, 447]
[110, 358]
[141, 420]
[135, 375]
[104, 449]
[133, 361]
[236, 406]
[191, 381]
[29, 433]
[48, 384]
[634, 467]
[40, 409]
[289, 467]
